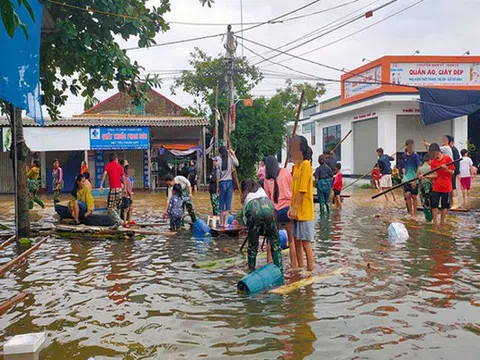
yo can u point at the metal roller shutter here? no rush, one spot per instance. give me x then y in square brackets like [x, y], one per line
[365, 144]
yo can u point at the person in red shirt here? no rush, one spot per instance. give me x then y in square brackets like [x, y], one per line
[442, 183]
[337, 186]
[116, 176]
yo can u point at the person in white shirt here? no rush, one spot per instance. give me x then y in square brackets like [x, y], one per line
[466, 172]
[186, 193]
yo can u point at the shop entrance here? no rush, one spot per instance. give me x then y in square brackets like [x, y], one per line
[365, 143]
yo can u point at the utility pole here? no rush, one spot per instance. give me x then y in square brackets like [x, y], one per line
[230, 47]
[241, 21]
[215, 134]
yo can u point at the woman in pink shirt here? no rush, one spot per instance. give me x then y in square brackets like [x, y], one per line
[278, 186]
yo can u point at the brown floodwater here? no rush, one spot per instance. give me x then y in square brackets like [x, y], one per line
[143, 300]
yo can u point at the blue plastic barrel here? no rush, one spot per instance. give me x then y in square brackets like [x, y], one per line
[266, 277]
[230, 219]
[283, 239]
[96, 192]
[200, 229]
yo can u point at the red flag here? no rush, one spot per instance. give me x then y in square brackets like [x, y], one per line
[369, 14]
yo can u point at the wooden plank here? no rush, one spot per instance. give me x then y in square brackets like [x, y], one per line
[13, 301]
[7, 242]
[287, 289]
[5, 268]
[230, 262]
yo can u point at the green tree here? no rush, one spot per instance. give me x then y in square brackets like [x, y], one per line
[260, 131]
[11, 20]
[207, 74]
[83, 49]
[289, 95]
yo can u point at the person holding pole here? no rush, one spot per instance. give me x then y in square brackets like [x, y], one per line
[409, 167]
[226, 165]
[442, 182]
[386, 172]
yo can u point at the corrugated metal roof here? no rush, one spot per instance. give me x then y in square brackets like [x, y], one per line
[119, 120]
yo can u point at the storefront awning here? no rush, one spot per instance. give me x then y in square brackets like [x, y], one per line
[438, 105]
[179, 149]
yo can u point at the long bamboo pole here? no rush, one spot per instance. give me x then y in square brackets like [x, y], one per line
[299, 111]
[341, 142]
[368, 173]
[13, 301]
[415, 179]
[5, 268]
[7, 242]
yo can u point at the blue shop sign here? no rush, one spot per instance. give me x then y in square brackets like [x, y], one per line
[122, 138]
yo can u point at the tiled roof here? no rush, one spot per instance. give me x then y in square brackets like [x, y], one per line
[119, 120]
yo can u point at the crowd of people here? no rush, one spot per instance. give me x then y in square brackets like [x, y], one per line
[437, 190]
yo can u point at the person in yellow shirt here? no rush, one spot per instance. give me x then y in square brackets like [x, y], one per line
[81, 204]
[33, 174]
[301, 209]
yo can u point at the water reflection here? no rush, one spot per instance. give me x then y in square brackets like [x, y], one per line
[143, 299]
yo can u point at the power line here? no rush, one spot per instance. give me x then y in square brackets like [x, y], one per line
[176, 42]
[281, 16]
[268, 22]
[358, 17]
[357, 32]
[222, 34]
[326, 66]
[91, 10]
[323, 27]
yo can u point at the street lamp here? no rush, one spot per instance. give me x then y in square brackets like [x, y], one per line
[416, 52]
[466, 53]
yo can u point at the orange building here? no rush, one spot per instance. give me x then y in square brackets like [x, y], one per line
[380, 103]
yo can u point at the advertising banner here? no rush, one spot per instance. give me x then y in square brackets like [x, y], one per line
[124, 138]
[367, 81]
[435, 74]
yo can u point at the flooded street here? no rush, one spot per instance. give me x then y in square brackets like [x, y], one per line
[143, 299]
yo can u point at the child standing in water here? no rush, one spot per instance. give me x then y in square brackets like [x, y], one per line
[259, 216]
[466, 174]
[301, 208]
[376, 176]
[323, 175]
[57, 176]
[33, 174]
[175, 208]
[338, 186]
[426, 188]
[127, 201]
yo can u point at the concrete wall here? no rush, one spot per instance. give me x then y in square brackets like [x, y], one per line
[386, 110]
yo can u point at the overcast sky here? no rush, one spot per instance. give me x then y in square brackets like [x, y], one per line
[434, 27]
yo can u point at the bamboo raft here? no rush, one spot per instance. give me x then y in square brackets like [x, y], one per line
[288, 288]
[104, 233]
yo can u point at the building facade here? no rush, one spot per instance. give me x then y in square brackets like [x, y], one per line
[144, 135]
[380, 105]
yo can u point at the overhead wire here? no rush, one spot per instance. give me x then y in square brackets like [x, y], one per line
[348, 22]
[268, 22]
[357, 32]
[323, 27]
[325, 66]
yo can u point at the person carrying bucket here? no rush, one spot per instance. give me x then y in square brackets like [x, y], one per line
[259, 216]
[278, 187]
[33, 174]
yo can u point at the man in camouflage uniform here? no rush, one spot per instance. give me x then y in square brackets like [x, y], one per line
[260, 220]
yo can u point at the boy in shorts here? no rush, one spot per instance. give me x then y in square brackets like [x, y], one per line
[337, 186]
[442, 182]
[409, 167]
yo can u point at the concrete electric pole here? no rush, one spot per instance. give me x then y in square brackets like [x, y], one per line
[230, 47]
